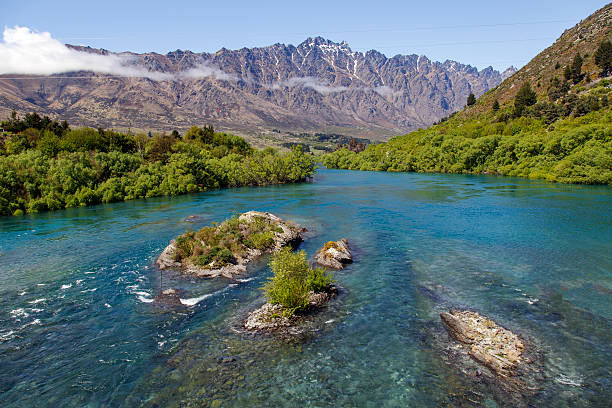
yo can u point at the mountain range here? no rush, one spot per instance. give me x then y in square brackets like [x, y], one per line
[318, 86]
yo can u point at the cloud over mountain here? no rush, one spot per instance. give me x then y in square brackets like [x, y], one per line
[24, 51]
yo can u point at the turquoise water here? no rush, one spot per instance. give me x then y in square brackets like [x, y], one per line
[77, 326]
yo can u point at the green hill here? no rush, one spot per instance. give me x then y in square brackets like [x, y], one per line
[558, 127]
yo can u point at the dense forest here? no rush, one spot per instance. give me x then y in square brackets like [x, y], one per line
[46, 165]
[564, 135]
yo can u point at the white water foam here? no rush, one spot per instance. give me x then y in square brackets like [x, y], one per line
[89, 290]
[563, 379]
[196, 300]
[32, 323]
[144, 297]
[6, 336]
[33, 302]
[244, 280]
[68, 286]
[18, 313]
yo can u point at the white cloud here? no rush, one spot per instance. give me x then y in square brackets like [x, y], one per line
[309, 82]
[204, 71]
[23, 51]
[386, 91]
[319, 86]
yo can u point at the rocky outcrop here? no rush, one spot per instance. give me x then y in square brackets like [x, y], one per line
[283, 233]
[272, 318]
[334, 254]
[166, 258]
[489, 344]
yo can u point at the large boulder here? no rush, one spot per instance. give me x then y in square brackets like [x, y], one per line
[489, 344]
[334, 254]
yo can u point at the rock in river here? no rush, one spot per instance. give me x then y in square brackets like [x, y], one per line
[334, 254]
[169, 297]
[489, 344]
[227, 248]
[271, 318]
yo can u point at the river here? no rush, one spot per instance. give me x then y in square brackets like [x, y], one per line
[78, 328]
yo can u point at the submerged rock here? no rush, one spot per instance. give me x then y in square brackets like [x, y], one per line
[227, 249]
[273, 318]
[491, 345]
[169, 297]
[334, 254]
[192, 218]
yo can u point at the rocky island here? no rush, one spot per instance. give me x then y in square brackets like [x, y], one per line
[226, 249]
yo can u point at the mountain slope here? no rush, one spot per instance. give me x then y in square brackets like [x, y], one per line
[564, 137]
[318, 86]
[583, 38]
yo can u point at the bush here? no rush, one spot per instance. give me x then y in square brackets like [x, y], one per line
[218, 256]
[288, 285]
[293, 279]
[260, 240]
[318, 279]
[184, 246]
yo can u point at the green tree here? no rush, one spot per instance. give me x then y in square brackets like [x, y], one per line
[525, 97]
[49, 144]
[567, 73]
[194, 133]
[471, 100]
[576, 69]
[603, 58]
[159, 147]
[495, 106]
[557, 89]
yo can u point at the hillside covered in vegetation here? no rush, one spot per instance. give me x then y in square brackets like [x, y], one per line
[46, 165]
[552, 120]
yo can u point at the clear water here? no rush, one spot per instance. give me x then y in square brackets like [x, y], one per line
[77, 327]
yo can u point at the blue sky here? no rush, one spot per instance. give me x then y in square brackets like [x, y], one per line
[480, 33]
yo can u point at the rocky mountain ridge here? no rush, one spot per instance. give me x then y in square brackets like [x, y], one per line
[317, 86]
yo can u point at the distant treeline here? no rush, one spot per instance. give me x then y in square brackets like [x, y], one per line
[566, 138]
[47, 165]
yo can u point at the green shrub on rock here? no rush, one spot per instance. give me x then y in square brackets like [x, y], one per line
[288, 285]
[261, 240]
[293, 280]
[319, 280]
